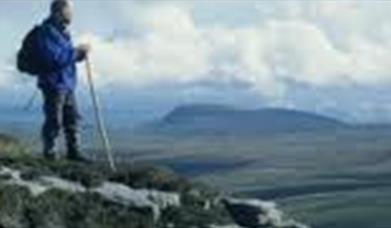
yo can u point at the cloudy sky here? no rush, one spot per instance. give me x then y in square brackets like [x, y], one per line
[329, 57]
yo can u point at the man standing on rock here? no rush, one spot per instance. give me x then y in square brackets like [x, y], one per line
[54, 58]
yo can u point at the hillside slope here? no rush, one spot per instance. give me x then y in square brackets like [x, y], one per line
[38, 193]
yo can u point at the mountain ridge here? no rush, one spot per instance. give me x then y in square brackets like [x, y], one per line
[211, 119]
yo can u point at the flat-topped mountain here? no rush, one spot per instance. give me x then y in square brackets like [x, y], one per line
[225, 120]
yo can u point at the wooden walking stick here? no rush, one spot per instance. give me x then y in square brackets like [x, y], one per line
[98, 116]
[30, 102]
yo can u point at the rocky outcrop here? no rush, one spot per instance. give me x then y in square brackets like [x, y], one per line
[36, 193]
[254, 213]
[152, 200]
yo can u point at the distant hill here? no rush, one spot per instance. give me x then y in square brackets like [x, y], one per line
[225, 120]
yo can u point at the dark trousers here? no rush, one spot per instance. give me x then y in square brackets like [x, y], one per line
[61, 114]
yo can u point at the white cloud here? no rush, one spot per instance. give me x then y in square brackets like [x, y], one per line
[296, 47]
[171, 48]
[318, 44]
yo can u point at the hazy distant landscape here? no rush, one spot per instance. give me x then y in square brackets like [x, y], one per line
[323, 171]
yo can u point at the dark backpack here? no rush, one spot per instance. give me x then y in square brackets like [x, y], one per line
[28, 60]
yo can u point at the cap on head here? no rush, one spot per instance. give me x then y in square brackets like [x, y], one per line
[59, 5]
[62, 10]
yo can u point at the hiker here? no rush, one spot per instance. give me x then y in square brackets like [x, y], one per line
[53, 59]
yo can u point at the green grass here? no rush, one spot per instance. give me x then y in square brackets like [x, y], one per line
[12, 147]
[56, 208]
[359, 209]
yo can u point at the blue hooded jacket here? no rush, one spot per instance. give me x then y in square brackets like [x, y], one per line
[58, 56]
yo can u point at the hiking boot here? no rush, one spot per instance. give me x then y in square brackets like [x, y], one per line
[50, 156]
[76, 157]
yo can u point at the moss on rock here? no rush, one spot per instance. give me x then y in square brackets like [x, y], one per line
[58, 208]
